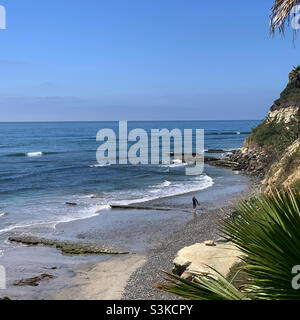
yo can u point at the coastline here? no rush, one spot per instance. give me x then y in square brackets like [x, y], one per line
[133, 277]
[140, 286]
[153, 237]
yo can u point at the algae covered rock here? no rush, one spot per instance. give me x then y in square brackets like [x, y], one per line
[67, 247]
[33, 282]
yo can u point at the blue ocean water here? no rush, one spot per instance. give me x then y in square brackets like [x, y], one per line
[45, 165]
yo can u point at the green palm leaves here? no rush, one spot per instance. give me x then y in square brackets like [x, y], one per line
[267, 231]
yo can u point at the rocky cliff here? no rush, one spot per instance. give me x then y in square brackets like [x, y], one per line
[272, 151]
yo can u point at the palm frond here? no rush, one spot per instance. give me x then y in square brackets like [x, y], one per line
[266, 229]
[209, 286]
[281, 14]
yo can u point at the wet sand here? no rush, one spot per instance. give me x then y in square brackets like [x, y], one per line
[152, 236]
[101, 281]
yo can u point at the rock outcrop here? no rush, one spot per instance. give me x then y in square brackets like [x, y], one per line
[67, 247]
[286, 172]
[33, 282]
[195, 259]
[250, 161]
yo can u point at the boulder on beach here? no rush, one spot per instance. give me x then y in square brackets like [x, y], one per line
[195, 259]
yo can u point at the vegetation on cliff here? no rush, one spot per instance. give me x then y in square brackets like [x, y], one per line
[274, 137]
[291, 94]
[270, 151]
[278, 132]
[280, 129]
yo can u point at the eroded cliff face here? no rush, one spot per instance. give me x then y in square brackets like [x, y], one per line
[286, 172]
[272, 151]
[285, 115]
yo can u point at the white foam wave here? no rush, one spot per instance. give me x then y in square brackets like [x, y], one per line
[90, 212]
[177, 161]
[175, 189]
[25, 225]
[175, 164]
[34, 154]
[88, 196]
[99, 165]
[166, 183]
[85, 214]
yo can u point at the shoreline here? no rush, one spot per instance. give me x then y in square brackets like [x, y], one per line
[133, 277]
[152, 236]
[140, 285]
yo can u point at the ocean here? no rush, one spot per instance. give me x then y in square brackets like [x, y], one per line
[45, 165]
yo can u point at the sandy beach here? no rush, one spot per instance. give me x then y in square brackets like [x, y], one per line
[133, 277]
[102, 281]
[153, 237]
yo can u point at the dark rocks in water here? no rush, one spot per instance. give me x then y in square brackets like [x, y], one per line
[50, 268]
[226, 163]
[221, 162]
[125, 207]
[71, 203]
[252, 163]
[33, 282]
[172, 154]
[211, 159]
[217, 151]
[5, 299]
[67, 247]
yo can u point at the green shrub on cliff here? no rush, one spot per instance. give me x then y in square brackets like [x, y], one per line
[290, 95]
[267, 231]
[275, 137]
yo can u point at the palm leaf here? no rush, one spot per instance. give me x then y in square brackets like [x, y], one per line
[267, 231]
[209, 286]
[281, 13]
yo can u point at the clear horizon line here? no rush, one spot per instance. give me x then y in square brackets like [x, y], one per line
[91, 121]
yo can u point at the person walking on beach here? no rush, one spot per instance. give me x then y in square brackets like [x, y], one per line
[195, 204]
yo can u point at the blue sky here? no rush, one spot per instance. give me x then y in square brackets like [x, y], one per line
[140, 60]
